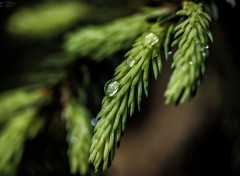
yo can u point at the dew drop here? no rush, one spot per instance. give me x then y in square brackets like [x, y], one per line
[111, 88]
[190, 63]
[170, 53]
[150, 40]
[94, 121]
[205, 51]
[130, 62]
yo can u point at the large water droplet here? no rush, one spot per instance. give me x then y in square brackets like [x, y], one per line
[130, 62]
[111, 88]
[94, 121]
[150, 40]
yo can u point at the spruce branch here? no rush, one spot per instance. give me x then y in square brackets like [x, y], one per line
[191, 37]
[99, 42]
[79, 136]
[130, 78]
[12, 138]
[167, 41]
[46, 20]
[16, 100]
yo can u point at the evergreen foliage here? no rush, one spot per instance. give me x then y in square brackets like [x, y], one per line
[22, 124]
[45, 20]
[192, 37]
[95, 41]
[182, 29]
[79, 136]
[15, 101]
[130, 78]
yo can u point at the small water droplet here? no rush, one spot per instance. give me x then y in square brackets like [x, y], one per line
[190, 63]
[150, 40]
[111, 88]
[94, 121]
[170, 53]
[130, 62]
[205, 51]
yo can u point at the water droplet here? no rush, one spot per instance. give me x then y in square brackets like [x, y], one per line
[130, 62]
[205, 51]
[111, 88]
[94, 121]
[170, 53]
[190, 63]
[150, 40]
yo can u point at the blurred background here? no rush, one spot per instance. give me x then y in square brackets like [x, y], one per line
[199, 138]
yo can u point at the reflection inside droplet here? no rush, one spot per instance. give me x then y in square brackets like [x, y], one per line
[94, 121]
[150, 40]
[130, 62]
[111, 88]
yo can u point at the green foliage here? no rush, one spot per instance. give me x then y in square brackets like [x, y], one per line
[150, 31]
[167, 41]
[130, 78]
[99, 42]
[79, 136]
[191, 38]
[50, 70]
[15, 101]
[18, 123]
[45, 20]
[12, 138]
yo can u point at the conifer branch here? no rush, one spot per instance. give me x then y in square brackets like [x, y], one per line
[191, 37]
[79, 136]
[130, 78]
[99, 42]
[46, 20]
[167, 41]
[12, 101]
[19, 123]
[12, 139]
